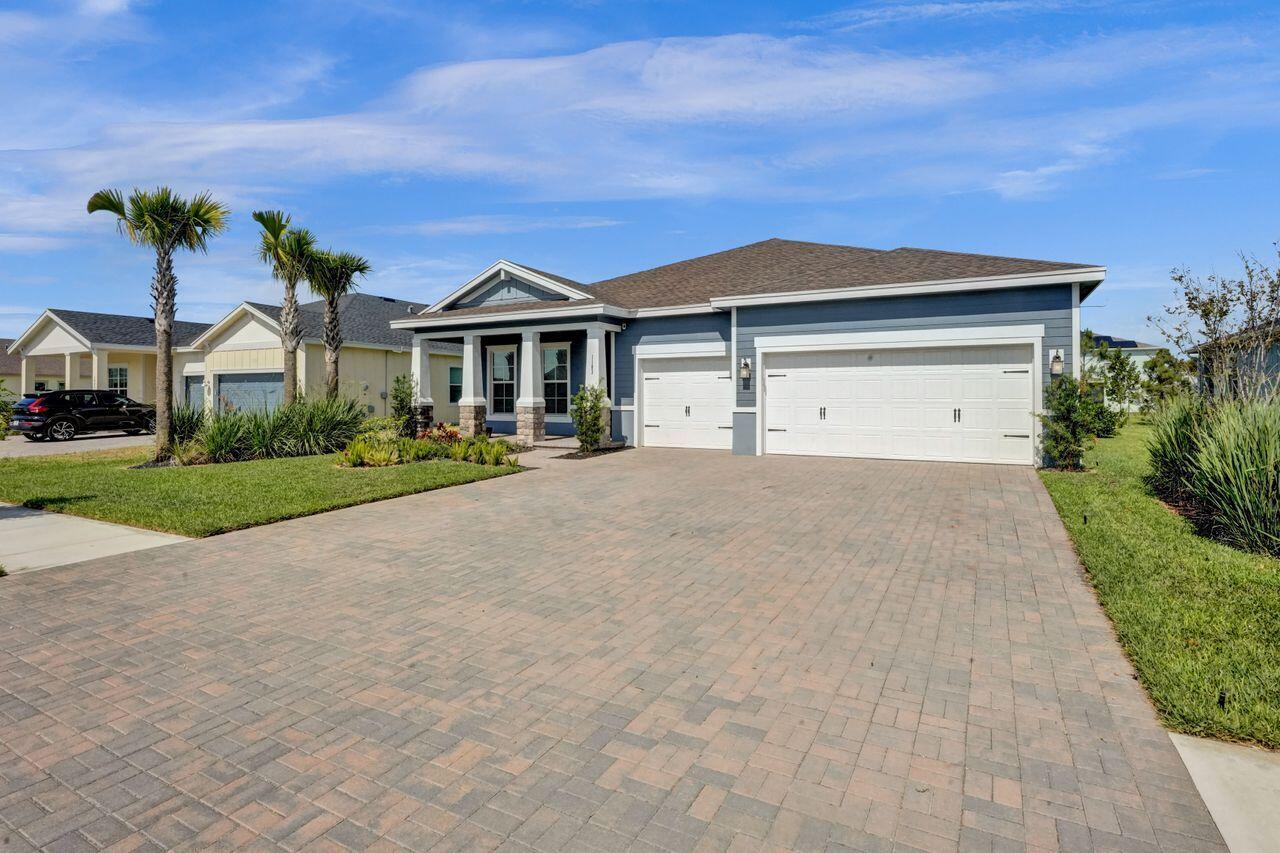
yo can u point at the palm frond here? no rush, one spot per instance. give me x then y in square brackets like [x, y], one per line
[205, 217]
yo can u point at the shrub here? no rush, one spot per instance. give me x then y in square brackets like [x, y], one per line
[266, 435]
[403, 391]
[442, 434]
[1235, 479]
[383, 424]
[1173, 443]
[186, 423]
[322, 425]
[419, 450]
[367, 451]
[6, 407]
[1069, 420]
[587, 409]
[223, 437]
[191, 452]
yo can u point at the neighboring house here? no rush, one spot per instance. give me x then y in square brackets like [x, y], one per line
[236, 362]
[774, 347]
[1258, 367]
[48, 372]
[1135, 351]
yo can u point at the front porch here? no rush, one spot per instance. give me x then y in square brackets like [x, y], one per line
[128, 372]
[520, 381]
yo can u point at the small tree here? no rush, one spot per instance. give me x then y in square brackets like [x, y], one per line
[6, 407]
[587, 409]
[1122, 381]
[1164, 377]
[1068, 422]
[1232, 324]
[403, 392]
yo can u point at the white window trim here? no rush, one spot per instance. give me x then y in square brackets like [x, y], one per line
[515, 380]
[125, 389]
[1031, 335]
[566, 418]
[448, 389]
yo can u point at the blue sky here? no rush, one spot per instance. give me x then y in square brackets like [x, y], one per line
[595, 139]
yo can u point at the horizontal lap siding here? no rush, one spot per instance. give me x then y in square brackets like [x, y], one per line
[687, 328]
[1049, 306]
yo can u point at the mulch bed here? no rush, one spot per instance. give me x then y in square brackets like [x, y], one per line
[578, 454]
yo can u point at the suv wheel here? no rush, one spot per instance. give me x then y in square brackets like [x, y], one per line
[149, 425]
[63, 430]
[33, 436]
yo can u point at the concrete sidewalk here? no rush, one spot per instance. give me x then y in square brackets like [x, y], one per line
[31, 539]
[1241, 786]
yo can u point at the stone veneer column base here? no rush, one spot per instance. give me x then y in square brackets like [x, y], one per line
[423, 415]
[471, 419]
[531, 424]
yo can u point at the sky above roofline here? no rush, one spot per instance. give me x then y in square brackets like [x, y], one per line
[592, 140]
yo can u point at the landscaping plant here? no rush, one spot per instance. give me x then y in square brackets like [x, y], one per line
[587, 410]
[6, 407]
[290, 253]
[1069, 421]
[1164, 378]
[186, 423]
[442, 433]
[332, 276]
[403, 392]
[165, 222]
[1235, 478]
[1173, 444]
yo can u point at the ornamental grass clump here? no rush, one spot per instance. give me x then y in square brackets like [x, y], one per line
[1235, 478]
[1174, 438]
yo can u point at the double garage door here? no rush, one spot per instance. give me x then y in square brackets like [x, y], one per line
[964, 404]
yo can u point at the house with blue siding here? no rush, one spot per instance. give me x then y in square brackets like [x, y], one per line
[781, 347]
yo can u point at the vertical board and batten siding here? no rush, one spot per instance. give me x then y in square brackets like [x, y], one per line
[510, 292]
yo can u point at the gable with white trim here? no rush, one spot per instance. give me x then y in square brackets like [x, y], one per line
[509, 291]
[508, 283]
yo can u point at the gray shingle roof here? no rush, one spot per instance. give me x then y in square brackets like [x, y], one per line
[365, 318]
[125, 330]
[783, 266]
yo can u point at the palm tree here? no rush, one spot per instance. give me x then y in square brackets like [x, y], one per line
[165, 222]
[290, 252]
[333, 277]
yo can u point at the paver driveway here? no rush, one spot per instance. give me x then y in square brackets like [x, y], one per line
[658, 650]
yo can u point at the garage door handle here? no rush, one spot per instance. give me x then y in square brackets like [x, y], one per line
[653, 426]
[776, 375]
[776, 429]
[652, 378]
[1017, 371]
[724, 427]
[1016, 435]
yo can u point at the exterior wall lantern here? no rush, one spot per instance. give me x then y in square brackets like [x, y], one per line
[744, 370]
[1055, 363]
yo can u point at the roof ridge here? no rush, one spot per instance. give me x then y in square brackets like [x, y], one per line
[954, 253]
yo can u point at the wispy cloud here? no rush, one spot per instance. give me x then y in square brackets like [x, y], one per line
[462, 226]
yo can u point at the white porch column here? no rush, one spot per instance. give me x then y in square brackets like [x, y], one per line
[424, 406]
[28, 377]
[597, 374]
[71, 370]
[99, 369]
[531, 406]
[471, 408]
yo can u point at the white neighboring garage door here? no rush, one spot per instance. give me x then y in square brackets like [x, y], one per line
[687, 402]
[959, 403]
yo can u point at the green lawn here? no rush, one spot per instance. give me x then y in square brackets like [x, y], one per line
[207, 499]
[1199, 620]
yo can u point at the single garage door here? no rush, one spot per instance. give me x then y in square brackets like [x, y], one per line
[687, 402]
[250, 391]
[963, 404]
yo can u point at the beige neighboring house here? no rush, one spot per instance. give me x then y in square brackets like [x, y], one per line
[236, 362]
[48, 371]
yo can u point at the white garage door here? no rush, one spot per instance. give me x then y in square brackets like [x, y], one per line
[687, 402]
[966, 404]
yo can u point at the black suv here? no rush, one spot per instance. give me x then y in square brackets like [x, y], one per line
[62, 415]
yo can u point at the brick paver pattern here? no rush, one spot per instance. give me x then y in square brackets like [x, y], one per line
[654, 650]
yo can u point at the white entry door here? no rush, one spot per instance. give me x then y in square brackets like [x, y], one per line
[687, 402]
[960, 404]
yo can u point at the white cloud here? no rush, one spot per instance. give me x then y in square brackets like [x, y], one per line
[507, 224]
[30, 243]
[879, 14]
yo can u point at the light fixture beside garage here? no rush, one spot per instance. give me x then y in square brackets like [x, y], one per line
[1055, 363]
[744, 370]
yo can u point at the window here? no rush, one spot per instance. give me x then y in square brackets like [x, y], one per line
[502, 381]
[455, 384]
[555, 378]
[118, 379]
[42, 386]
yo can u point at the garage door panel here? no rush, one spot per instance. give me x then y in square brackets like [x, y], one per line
[688, 402]
[954, 403]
